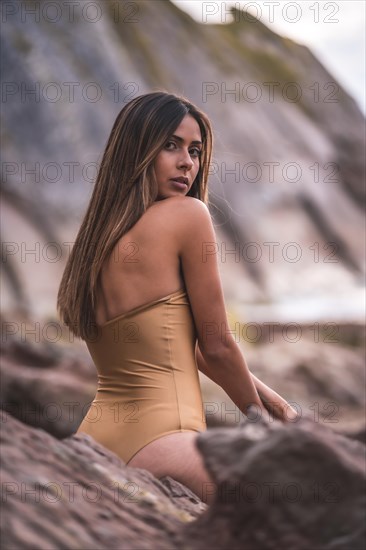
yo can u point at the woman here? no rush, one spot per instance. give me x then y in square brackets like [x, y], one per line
[144, 293]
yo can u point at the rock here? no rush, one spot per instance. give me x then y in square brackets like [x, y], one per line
[47, 389]
[297, 486]
[76, 494]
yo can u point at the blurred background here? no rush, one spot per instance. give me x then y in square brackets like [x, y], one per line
[284, 88]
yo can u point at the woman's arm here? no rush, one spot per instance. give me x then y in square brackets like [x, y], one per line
[202, 366]
[274, 403]
[198, 253]
[235, 381]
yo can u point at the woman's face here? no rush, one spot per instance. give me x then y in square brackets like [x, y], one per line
[179, 158]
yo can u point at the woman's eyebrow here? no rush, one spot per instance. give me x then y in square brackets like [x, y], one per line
[182, 140]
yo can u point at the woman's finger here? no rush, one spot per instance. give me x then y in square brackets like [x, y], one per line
[279, 407]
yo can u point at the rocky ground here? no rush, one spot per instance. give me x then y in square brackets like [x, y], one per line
[295, 485]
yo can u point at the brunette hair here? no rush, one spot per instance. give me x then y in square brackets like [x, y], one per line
[125, 187]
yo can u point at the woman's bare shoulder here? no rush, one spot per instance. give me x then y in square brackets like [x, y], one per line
[181, 215]
[191, 206]
[169, 223]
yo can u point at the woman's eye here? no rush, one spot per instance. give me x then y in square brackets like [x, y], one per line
[196, 152]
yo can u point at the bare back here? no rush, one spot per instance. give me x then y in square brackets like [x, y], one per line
[144, 265]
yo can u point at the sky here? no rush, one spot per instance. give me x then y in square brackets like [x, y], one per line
[334, 31]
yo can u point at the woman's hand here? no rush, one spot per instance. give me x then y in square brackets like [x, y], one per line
[273, 402]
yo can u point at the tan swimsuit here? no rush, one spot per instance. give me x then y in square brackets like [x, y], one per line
[148, 384]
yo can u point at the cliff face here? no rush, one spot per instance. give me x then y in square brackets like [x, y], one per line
[288, 168]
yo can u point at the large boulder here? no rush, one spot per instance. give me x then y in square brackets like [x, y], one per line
[296, 485]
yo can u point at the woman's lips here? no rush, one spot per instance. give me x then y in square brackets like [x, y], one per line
[179, 184]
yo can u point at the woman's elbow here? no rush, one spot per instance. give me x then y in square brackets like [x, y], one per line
[217, 350]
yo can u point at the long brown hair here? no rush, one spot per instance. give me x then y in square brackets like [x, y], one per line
[125, 187]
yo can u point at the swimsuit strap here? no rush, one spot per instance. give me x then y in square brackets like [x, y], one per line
[145, 306]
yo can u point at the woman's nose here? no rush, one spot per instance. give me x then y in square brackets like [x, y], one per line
[186, 160]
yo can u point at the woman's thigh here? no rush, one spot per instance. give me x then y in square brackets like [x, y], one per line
[176, 455]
